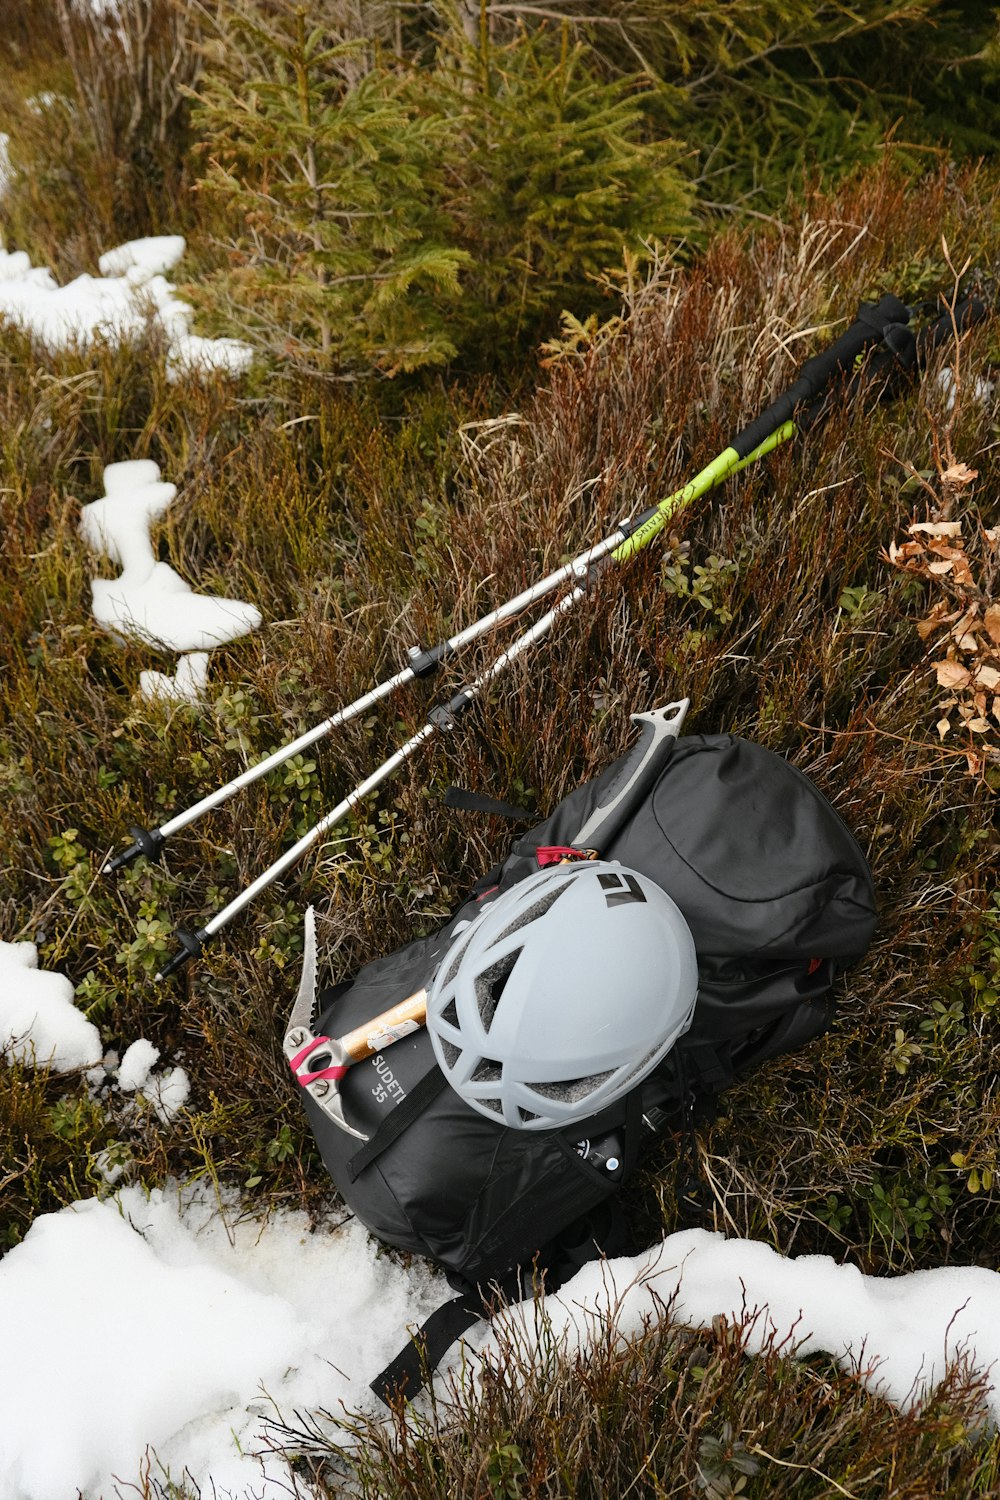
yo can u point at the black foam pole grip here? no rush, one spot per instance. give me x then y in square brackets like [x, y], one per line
[903, 353]
[868, 328]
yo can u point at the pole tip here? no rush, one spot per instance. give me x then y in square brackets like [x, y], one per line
[147, 841]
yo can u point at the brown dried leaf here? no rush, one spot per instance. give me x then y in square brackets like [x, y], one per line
[937, 528]
[943, 727]
[962, 573]
[988, 677]
[979, 726]
[942, 614]
[992, 535]
[901, 556]
[964, 637]
[959, 474]
[975, 762]
[991, 619]
[940, 568]
[951, 674]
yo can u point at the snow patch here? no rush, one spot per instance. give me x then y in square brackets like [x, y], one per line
[139, 1061]
[897, 1333]
[187, 685]
[167, 1093]
[149, 600]
[144, 258]
[982, 388]
[165, 1324]
[118, 305]
[39, 1024]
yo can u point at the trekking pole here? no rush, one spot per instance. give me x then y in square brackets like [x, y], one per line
[425, 662]
[882, 323]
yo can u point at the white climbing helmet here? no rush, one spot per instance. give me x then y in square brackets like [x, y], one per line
[562, 995]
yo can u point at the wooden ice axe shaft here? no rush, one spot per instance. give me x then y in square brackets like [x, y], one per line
[381, 1031]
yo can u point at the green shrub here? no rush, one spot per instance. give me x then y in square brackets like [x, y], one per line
[381, 216]
[767, 94]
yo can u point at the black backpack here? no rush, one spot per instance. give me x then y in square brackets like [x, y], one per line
[779, 899]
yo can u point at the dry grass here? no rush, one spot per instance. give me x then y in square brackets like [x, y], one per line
[397, 515]
[96, 110]
[669, 1413]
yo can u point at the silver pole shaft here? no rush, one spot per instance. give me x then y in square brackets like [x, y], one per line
[388, 767]
[285, 752]
[368, 700]
[524, 642]
[336, 815]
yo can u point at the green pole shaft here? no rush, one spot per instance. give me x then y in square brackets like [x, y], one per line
[726, 463]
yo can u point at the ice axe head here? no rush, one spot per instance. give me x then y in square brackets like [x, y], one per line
[318, 1063]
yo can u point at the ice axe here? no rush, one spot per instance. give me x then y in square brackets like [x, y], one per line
[319, 1062]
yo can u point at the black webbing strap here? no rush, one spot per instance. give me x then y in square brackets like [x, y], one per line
[633, 1131]
[688, 1179]
[457, 796]
[705, 1066]
[398, 1120]
[405, 1376]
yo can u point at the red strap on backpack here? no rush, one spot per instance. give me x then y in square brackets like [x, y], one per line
[561, 854]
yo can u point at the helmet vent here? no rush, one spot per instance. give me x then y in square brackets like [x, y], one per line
[487, 1071]
[571, 1090]
[456, 959]
[640, 1068]
[535, 910]
[450, 1051]
[450, 1014]
[490, 985]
